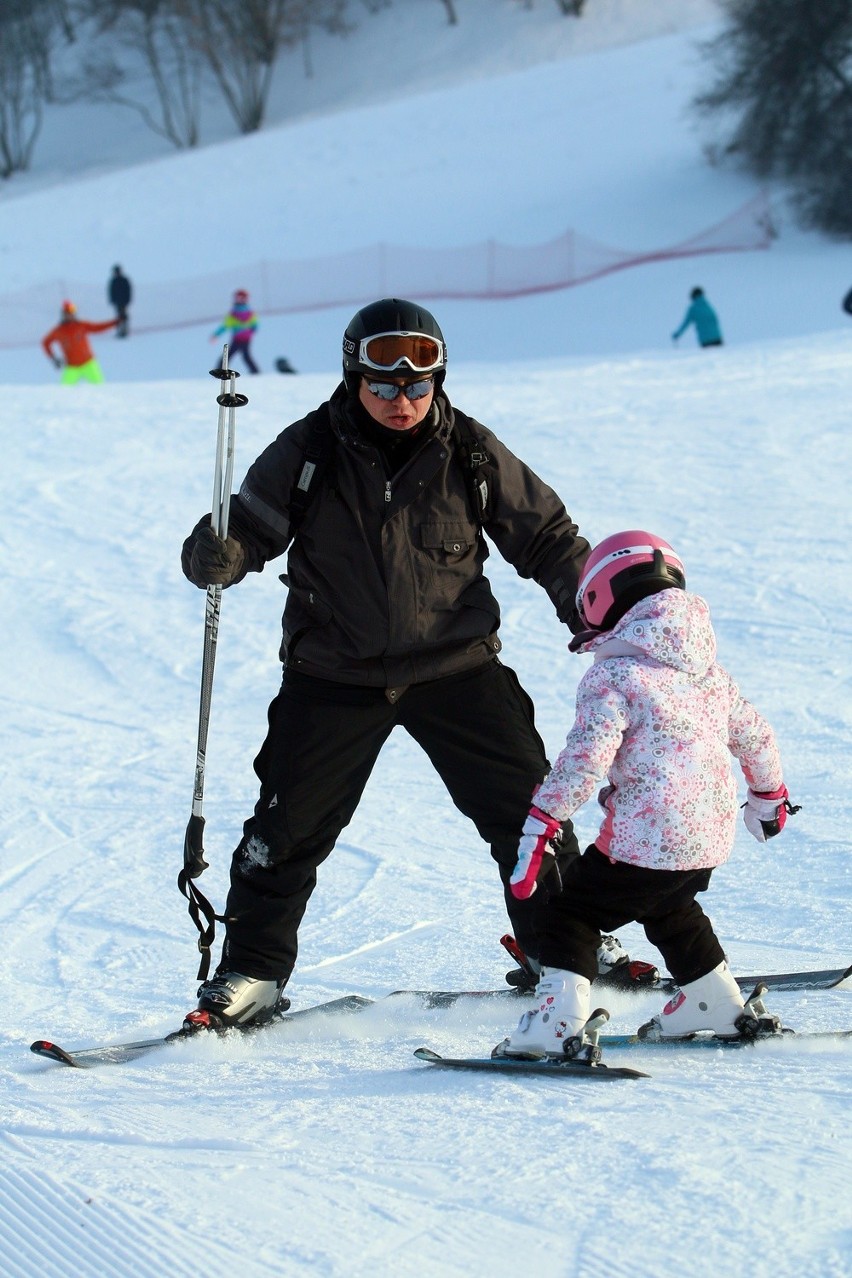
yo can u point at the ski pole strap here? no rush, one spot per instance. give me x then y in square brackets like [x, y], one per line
[200, 908]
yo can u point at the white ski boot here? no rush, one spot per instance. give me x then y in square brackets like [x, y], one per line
[712, 1004]
[561, 1010]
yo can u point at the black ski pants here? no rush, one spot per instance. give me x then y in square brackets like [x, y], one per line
[600, 895]
[478, 730]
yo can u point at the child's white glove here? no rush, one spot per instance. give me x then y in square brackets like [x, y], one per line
[765, 813]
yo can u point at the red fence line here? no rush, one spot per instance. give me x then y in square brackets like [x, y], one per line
[488, 270]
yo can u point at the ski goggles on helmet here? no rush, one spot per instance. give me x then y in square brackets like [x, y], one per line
[390, 390]
[389, 351]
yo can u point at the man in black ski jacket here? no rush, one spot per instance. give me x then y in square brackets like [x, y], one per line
[381, 496]
[120, 292]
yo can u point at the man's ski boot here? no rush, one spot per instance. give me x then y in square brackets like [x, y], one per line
[230, 999]
[712, 1004]
[616, 966]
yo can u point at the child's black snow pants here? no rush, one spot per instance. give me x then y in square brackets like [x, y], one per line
[600, 895]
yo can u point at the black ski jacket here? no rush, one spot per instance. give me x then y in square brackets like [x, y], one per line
[385, 575]
[120, 291]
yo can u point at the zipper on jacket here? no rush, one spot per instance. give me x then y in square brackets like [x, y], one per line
[387, 490]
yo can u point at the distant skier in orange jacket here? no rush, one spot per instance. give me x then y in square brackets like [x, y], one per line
[71, 335]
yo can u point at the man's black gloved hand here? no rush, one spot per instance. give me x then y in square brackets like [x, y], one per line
[207, 560]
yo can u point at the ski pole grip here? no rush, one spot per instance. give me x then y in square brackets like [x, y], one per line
[510, 945]
[193, 848]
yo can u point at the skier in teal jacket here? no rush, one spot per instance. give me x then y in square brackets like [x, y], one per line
[701, 314]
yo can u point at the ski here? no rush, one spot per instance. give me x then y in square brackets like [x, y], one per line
[818, 979]
[120, 1053]
[111, 1054]
[710, 1040]
[550, 1066]
[826, 979]
[823, 979]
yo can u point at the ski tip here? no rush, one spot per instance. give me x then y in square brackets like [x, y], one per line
[426, 1054]
[43, 1047]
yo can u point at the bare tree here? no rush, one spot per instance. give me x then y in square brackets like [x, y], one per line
[26, 37]
[241, 42]
[784, 88]
[156, 31]
[572, 8]
[60, 11]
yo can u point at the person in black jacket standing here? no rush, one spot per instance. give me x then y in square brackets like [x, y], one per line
[389, 621]
[120, 293]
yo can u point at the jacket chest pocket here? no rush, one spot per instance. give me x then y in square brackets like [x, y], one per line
[450, 554]
[448, 542]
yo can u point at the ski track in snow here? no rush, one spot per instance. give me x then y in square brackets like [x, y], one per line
[56, 1230]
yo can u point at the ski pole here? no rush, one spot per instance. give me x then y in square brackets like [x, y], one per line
[194, 863]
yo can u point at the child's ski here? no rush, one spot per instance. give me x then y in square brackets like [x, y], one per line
[711, 1040]
[550, 1066]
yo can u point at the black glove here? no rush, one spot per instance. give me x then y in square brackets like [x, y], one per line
[207, 560]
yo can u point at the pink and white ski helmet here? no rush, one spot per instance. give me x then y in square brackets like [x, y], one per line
[623, 569]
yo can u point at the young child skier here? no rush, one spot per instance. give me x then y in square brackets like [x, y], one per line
[240, 325]
[659, 718]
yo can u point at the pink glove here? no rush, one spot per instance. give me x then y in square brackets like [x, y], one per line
[536, 855]
[765, 813]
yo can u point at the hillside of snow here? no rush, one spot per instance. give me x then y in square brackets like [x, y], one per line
[601, 141]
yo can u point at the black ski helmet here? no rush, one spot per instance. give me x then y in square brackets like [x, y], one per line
[392, 316]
